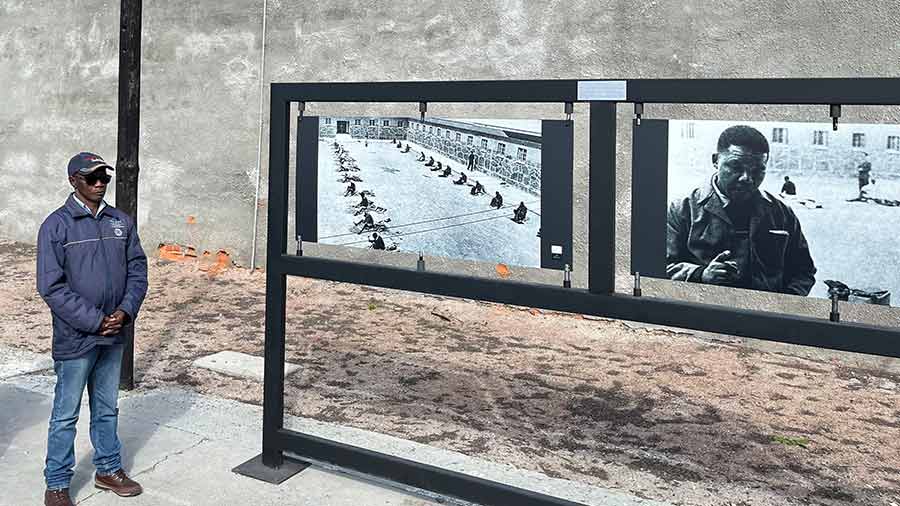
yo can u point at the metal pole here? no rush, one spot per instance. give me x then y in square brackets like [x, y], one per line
[127, 168]
[262, 69]
[276, 284]
[602, 198]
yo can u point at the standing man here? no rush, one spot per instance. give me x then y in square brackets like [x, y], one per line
[865, 171]
[471, 164]
[92, 273]
[731, 233]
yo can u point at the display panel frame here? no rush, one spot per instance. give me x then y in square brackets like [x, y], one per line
[834, 219]
[552, 246]
[598, 299]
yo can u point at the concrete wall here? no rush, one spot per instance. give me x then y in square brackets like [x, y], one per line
[200, 89]
[58, 76]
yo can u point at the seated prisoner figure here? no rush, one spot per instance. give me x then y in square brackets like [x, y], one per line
[430, 161]
[519, 213]
[497, 201]
[351, 190]
[788, 188]
[462, 178]
[377, 241]
[367, 222]
[478, 189]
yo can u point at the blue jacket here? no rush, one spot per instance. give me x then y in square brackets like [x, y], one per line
[87, 268]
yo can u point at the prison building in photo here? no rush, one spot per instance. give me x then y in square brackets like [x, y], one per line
[805, 147]
[510, 154]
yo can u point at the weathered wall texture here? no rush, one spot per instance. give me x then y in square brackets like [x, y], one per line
[58, 76]
[200, 85]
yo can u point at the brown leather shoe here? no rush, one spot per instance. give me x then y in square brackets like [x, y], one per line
[119, 483]
[57, 498]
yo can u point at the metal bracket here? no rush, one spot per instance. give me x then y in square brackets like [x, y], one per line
[638, 111]
[567, 277]
[637, 284]
[254, 468]
[299, 246]
[420, 264]
[569, 109]
[835, 114]
[835, 315]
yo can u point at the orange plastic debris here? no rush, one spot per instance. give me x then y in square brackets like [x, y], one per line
[214, 264]
[502, 270]
[176, 252]
[191, 220]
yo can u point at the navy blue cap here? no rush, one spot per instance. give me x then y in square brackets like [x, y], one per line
[85, 163]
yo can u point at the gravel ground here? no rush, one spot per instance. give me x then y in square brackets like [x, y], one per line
[657, 413]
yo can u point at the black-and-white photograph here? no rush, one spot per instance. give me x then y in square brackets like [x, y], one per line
[465, 189]
[786, 207]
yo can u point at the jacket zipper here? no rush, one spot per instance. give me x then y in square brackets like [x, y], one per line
[105, 262]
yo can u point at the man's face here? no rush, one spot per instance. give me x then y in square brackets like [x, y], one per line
[91, 187]
[741, 171]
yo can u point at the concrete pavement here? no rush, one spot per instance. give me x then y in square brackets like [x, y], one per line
[182, 446]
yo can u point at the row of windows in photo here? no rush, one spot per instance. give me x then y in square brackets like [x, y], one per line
[819, 137]
[372, 122]
[521, 153]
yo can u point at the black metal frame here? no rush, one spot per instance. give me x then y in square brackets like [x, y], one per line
[599, 299]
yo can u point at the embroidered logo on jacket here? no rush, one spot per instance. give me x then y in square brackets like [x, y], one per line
[118, 226]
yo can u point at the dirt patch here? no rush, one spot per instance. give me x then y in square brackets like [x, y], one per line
[650, 412]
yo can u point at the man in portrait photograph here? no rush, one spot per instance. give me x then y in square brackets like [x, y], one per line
[730, 232]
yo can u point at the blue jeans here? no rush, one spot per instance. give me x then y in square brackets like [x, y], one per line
[99, 370]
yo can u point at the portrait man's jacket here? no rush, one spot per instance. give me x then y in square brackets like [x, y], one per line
[777, 255]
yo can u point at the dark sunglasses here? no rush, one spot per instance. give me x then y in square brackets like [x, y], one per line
[92, 178]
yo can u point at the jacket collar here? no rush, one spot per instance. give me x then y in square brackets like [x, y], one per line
[78, 210]
[714, 200]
